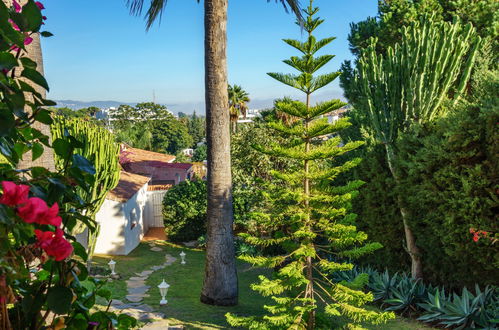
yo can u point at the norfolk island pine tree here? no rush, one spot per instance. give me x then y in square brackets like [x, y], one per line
[308, 217]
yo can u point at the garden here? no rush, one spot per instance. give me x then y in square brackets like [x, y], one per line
[382, 218]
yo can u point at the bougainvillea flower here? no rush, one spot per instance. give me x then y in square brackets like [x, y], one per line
[54, 243]
[37, 211]
[13, 194]
[14, 25]
[40, 5]
[28, 40]
[17, 6]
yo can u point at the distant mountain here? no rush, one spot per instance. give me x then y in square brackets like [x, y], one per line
[75, 105]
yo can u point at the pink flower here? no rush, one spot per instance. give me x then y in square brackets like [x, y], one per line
[40, 5]
[14, 25]
[54, 244]
[13, 194]
[17, 6]
[28, 40]
[37, 211]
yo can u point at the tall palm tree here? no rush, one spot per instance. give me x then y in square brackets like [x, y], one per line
[34, 52]
[238, 98]
[220, 285]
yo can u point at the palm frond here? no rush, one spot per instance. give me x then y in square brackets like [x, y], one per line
[293, 5]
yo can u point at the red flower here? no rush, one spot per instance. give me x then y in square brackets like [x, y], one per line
[37, 211]
[13, 194]
[40, 5]
[54, 244]
[476, 238]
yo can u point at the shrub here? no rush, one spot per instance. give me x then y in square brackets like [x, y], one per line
[184, 211]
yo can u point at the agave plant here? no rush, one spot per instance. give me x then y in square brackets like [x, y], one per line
[406, 295]
[433, 306]
[465, 311]
[382, 284]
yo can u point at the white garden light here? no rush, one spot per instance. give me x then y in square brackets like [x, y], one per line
[182, 256]
[163, 290]
[111, 265]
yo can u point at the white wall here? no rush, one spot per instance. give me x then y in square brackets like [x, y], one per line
[133, 211]
[117, 237]
[111, 238]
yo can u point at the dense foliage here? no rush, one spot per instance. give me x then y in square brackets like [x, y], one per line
[43, 282]
[308, 218]
[150, 126]
[184, 211]
[447, 179]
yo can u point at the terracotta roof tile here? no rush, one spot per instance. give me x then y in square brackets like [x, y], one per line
[139, 155]
[128, 185]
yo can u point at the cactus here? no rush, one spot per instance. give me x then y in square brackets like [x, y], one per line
[100, 148]
[408, 85]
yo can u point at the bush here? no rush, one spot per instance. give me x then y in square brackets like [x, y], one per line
[184, 211]
[449, 186]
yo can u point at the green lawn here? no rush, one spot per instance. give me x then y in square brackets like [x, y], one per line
[185, 285]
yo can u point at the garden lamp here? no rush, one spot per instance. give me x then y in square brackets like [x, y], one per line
[163, 290]
[111, 265]
[182, 256]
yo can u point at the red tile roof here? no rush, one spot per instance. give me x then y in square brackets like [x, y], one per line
[139, 155]
[128, 186]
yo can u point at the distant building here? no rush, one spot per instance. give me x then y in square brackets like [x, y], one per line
[159, 167]
[188, 152]
[251, 114]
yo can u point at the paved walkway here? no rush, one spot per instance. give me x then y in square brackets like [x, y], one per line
[137, 291]
[155, 234]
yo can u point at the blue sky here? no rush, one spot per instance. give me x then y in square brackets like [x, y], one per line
[100, 52]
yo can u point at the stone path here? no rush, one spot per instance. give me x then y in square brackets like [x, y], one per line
[137, 291]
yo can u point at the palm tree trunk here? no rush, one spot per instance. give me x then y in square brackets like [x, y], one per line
[220, 285]
[411, 247]
[34, 52]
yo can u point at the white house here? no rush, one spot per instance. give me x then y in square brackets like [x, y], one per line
[121, 216]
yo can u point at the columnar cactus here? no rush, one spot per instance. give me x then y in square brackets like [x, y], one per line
[99, 147]
[431, 63]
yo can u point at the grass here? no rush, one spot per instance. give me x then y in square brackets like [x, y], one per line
[184, 307]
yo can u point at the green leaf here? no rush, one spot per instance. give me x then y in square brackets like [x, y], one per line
[33, 16]
[28, 63]
[7, 61]
[62, 148]
[46, 34]
[59, 300]
[83, 164]
[35, 77]
[104, 293]
[43, 116]
[36, 151]
[80, 251]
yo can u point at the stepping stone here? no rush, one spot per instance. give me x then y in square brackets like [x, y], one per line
[190, 244]
[136, 297]
[156, 249]
[145, 308]
[155, 268]
[138, 290]
[160, 325]
[145, 273]
[136, 278]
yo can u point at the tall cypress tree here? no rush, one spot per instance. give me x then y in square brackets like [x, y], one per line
[308, 217]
